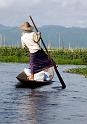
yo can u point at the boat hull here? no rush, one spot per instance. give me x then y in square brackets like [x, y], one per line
[24, 82]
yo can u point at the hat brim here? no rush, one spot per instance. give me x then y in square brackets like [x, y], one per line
[26, 28]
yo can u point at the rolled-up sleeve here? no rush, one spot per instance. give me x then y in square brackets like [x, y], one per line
[36, 36]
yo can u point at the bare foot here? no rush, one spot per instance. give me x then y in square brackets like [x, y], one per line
[31, 77]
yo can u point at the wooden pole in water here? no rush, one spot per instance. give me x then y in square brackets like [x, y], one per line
[54, 64]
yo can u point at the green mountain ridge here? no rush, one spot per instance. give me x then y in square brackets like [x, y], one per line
[53, 35]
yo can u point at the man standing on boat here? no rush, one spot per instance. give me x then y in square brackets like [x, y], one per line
[38, 58]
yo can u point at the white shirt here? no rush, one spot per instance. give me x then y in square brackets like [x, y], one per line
[30, 39]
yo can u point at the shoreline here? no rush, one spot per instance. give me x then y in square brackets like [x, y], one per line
[60, 56]
[9, 54]
[79, 70]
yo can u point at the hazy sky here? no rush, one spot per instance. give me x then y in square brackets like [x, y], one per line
[44, 12]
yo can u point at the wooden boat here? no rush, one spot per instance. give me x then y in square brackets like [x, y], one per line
[24, 82]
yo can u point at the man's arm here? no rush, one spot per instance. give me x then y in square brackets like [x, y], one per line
[36, 37]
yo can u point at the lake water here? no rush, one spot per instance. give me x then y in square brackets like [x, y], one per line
[45, 105]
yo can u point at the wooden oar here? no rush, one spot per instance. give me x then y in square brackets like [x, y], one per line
[54, 64]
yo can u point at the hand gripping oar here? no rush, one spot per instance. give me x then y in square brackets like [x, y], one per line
[54, 64]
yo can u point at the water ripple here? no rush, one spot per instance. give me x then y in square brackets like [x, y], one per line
[46, 105]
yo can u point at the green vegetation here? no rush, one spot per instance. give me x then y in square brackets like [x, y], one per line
[82, 71]
[60, 56]
[13, 54]
[70, 56]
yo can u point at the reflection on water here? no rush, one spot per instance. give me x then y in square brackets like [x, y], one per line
[46, 105]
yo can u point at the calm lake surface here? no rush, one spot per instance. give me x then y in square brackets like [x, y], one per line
[45, 105]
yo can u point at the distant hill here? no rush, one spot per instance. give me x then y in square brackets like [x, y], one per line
[64, 37]
[9, 35]
[54, 35]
